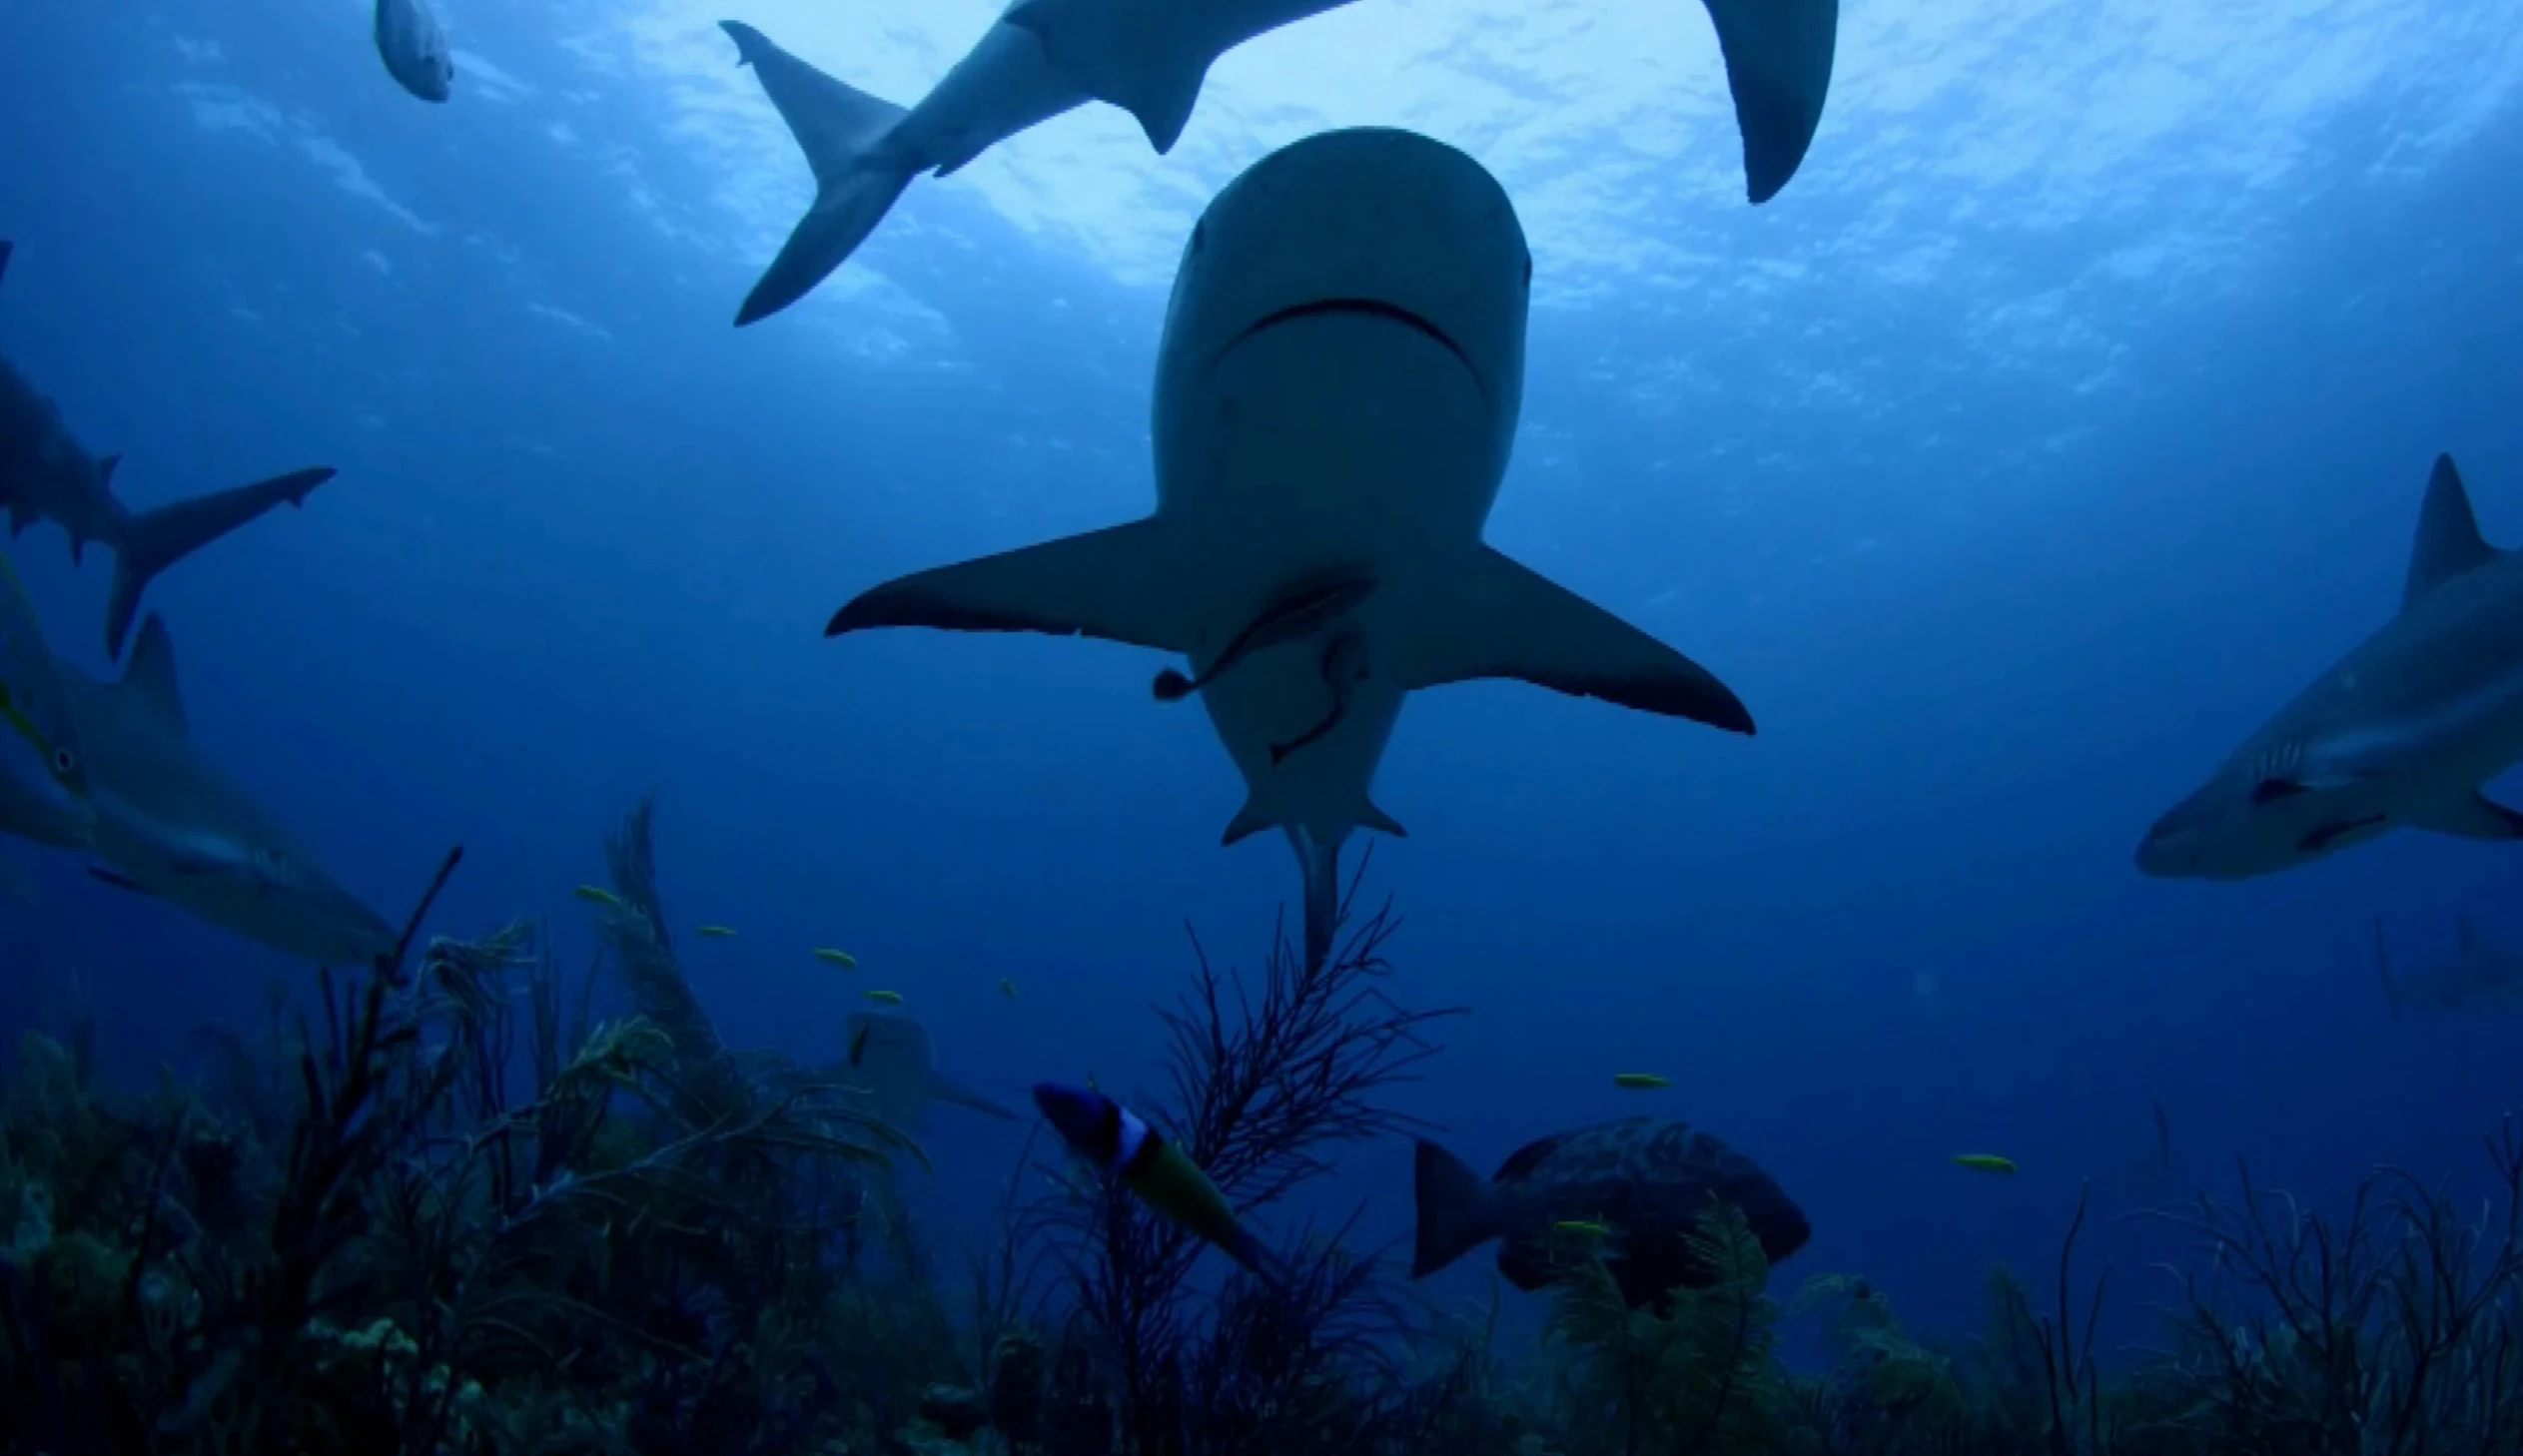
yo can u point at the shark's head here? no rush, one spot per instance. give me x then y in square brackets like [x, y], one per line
[2248, 820]
[1379, 233]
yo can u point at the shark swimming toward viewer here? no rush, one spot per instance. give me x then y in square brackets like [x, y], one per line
[2402, 731]
[132, 788]
[45, 474]
[1043, 58]
[1336, 398]
[890, 1057]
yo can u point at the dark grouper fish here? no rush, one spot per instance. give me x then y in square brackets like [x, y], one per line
[1644, 1181]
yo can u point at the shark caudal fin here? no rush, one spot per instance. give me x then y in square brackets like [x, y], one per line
[1494, 617]
[860, 167]
[1452, 1201]
[154, 540]
[1122, 584]
[1778, 65]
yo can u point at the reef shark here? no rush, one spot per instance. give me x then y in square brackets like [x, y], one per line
[46, 473]
[2479, 975]
[1336, 398]
[1043, 58]
[131, 787]
[891, 1059]
[2402, 731]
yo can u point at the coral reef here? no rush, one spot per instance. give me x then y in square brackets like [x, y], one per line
[445, 1208]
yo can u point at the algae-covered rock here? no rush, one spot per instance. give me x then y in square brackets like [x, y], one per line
[954, 1410]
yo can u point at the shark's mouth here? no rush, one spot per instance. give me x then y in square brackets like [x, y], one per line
[1389, 312]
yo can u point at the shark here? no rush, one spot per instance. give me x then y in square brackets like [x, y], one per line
[1043, 58]
[47, 475]
[892, 1060]
[2479, 975]
[2401, 732]
[1337, 385]
[132, 789]
[1150, 57]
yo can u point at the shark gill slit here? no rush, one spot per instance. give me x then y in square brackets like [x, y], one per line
[1365, 308]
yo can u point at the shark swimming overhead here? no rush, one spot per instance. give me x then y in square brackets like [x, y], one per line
[2402, 731]
[1336, 398]
[46, 475]
[1150, 57]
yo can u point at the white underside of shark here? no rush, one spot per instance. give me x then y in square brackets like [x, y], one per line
[1336, 394]
[2402, 731]
[1042, 58]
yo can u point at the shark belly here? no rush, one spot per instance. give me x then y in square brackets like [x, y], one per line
[1325, 443]
[1003, 85]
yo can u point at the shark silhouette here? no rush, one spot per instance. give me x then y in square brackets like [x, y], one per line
[1336, 398]
[2402, 731]
[45, 474]
[1042, 58]
[132, 788]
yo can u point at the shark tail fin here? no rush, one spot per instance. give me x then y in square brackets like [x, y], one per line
[947, 1089]
[2383, 968]
[1778, 65]
[154, 540]
[1452, 1207]
[860, 167]
[1319, 859]
[1104, 56]
[1124, 584]
[1496, 617]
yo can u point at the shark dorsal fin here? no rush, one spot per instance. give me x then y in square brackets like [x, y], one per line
[2449, 543]
[149, 674]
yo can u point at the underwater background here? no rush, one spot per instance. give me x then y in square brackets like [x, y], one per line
[2069, 410]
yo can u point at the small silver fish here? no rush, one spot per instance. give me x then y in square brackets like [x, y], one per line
[414, 49]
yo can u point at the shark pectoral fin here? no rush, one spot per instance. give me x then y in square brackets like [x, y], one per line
[947, 1089]
[2473, 816]
[2448, 543]
[119, 880]
[1494, 617]
[1107, 50]
[860, 167]
[1124, 584]
[1778, 65]
[157, 540]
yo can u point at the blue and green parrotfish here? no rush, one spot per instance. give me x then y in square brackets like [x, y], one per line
[1121, 1144]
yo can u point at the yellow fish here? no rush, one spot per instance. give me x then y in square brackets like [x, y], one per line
[598, 894]
[719, 932]
[1582, 1227]
[842, 959]
[1006, 987]
[1640, 1080]
[883, 998]
[1986, 1161]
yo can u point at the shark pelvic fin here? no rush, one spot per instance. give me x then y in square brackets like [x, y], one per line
[860, 167]
[1778, 65]
[1493, 617]
[2473, 816]
[2448, 543]
[154, 540]
[1123, 584]
[1105, 50]
[1260, 813]
[149, 673]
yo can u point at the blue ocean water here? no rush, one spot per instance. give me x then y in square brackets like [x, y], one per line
[2066, 414]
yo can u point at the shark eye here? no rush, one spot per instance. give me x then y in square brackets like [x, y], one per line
[63, 762]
